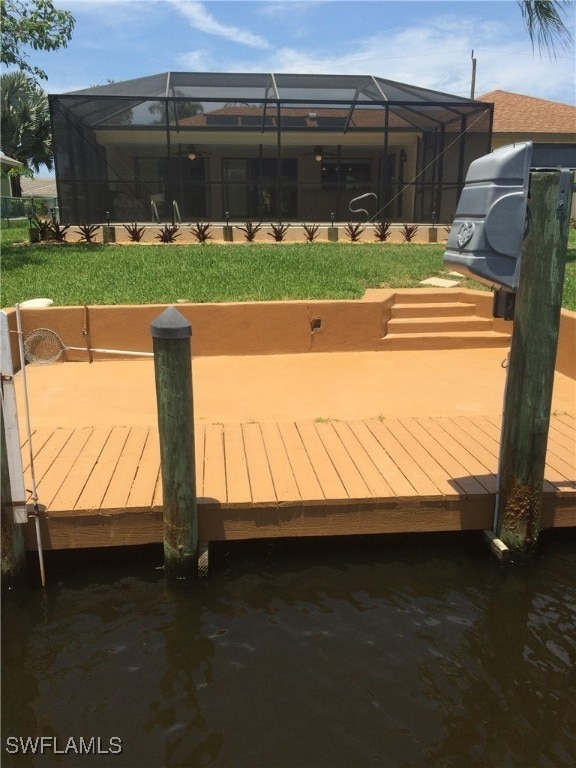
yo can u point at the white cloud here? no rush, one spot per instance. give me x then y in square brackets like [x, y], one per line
[432, 49]
[195, 61]
[435, 55]
[199, 17]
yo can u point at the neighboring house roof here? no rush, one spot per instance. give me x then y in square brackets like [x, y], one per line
[38, 187]
[516, 113]
[307, 118]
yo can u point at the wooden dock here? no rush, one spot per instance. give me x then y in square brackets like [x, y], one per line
[101, 486]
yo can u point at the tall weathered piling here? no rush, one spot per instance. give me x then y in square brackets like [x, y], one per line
[13, 553]
[171, 334]
[13, 493]
[528, 396]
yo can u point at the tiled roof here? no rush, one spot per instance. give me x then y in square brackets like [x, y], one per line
[311, 117]
[292, 117]
[515, 113]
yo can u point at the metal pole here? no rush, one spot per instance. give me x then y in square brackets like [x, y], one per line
[36, 513]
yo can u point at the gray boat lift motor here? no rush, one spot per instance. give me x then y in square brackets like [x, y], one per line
[492, 217]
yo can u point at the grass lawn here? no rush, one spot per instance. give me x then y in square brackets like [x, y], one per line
[77, 274]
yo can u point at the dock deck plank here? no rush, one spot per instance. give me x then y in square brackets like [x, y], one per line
[330, 482]
[122, 480]
[463, 450]
[466, 485]
[425, 459]
[95, 489]
[70, 490]
[384, 432]
[261, 484]
[238, 491]
[147, 477]
[350, 477]
[285, 484]
[291, 478]
[399, 484]
[63, 464]
[305, 477]
[377, 486]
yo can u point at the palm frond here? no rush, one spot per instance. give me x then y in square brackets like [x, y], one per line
[543, 21]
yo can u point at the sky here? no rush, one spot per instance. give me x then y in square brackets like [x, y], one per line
[424, 43]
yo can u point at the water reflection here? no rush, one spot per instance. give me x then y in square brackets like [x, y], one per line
[396, 652]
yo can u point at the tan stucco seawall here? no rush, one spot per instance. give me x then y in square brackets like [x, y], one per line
[262, 328]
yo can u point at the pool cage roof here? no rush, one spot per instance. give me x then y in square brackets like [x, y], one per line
[410, 107]
[269, 86]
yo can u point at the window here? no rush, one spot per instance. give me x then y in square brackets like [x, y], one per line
[251, 187]
[349, 175]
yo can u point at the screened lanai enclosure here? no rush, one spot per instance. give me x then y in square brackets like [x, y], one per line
[270, 147]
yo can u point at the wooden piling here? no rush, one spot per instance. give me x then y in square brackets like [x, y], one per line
[528, 395]
[171, 334]
[13, 552]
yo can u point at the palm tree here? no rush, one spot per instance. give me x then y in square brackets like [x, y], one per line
[543, 20]
[26, 130]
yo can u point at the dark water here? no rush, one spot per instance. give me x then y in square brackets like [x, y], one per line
[390, 651]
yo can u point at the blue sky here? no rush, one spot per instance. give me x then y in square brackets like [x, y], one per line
[424, 43]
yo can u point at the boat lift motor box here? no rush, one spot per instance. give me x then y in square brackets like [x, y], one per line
[491, 221]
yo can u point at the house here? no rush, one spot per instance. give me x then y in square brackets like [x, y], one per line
[6, 163]
[551, 126]
[232, 146]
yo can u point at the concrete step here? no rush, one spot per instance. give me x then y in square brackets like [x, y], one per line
[433, 309]
[434, 325]
[428, 296]
[445, 340]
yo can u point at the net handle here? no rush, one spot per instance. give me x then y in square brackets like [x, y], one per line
[48, 332]
[112, 351]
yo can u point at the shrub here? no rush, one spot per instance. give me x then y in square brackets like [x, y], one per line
[58, 231]
[87, 232]
[278, 231]
[201, 232]
[168, 233]
[250, 230]
[382, 230]
[409, 232]
[44, 228]
[353, 231]
[311, 231]
[135, 233]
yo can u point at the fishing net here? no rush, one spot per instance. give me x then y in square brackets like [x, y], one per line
[43, 346]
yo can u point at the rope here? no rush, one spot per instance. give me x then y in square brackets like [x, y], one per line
[417, 176]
